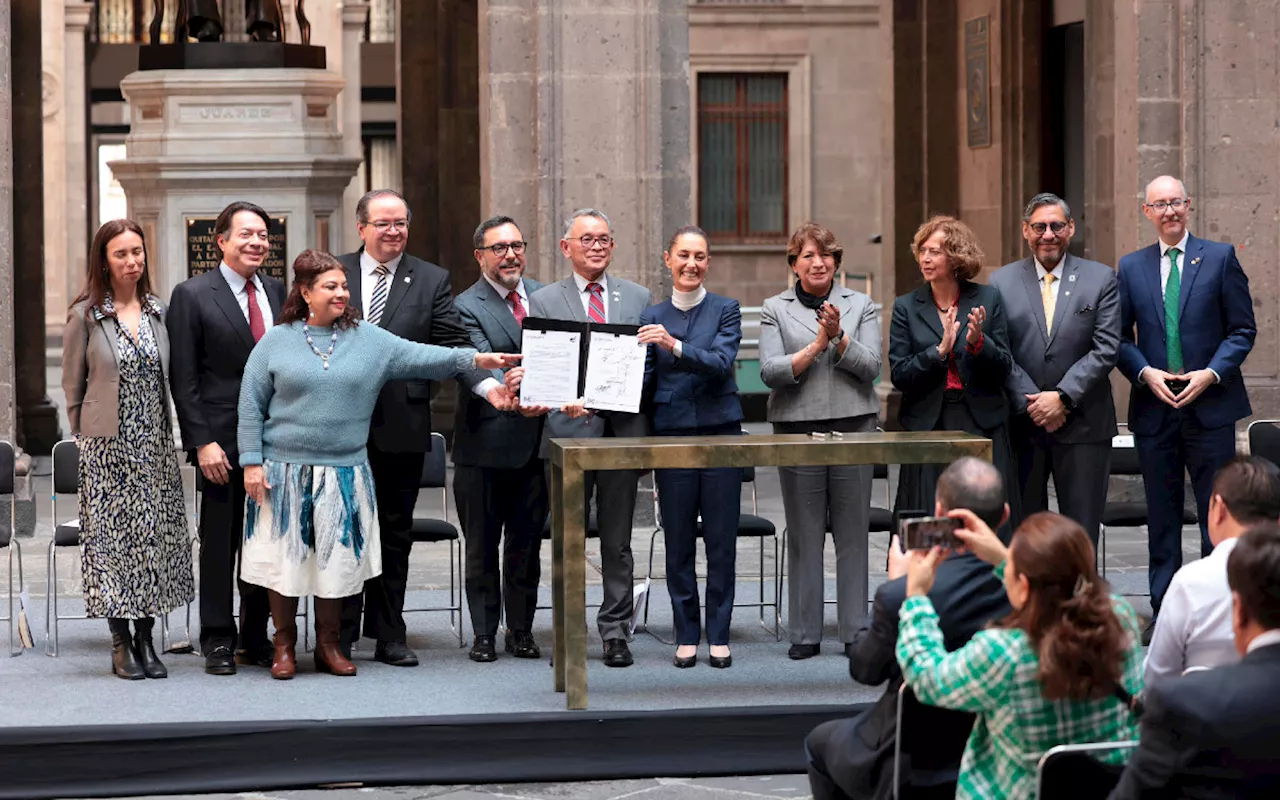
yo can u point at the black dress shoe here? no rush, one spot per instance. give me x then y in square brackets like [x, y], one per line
[685, 663]
[1148, 632]
[220, 661]
[256, 656]
[521, 645]
[720, 663]
[617, 654]
[397, 654]
[483, 650]
[800, 652]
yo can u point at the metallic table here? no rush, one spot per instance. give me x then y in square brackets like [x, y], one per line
[570, 458]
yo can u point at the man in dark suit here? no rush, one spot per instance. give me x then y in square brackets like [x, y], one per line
[214, 321]
[498, 481]
[1064, 335]
[413, 299]
[590, 294]
[1189, 301]
[853, 758]
[1213, 734]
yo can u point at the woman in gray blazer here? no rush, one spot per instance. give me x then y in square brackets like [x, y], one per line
[820, 353]
[135, 546]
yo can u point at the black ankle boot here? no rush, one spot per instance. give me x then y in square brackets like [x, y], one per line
[142, 644]
[124, 659]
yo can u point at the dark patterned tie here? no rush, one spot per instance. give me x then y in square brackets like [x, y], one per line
[256, 326]
[379, 300]
[595, 308]
[517, 308]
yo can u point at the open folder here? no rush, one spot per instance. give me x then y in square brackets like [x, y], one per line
[569, 362]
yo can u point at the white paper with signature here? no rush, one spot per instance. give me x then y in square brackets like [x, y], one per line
[550, 361]
[615, 372]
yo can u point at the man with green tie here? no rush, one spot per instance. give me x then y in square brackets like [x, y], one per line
[1186, 327]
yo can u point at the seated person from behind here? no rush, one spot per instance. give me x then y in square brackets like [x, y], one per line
[1194, 626]
[854, 757]
[1213, 734]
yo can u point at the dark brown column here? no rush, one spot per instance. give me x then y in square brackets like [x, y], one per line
[37, 416]
[417, 129]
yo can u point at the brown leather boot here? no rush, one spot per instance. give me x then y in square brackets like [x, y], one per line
[329, 657]
[284, 611]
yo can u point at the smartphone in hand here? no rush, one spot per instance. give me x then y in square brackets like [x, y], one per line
[925, 533]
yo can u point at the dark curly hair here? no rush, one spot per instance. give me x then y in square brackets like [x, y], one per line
[1069, 615]
[960, 245]
[307, 269]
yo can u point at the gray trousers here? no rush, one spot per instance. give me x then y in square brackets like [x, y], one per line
[809, 494]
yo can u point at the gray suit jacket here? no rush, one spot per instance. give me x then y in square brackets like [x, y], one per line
[91, 371]
[1078, 355]
[830, 388]
[562, 300]
[482, 435]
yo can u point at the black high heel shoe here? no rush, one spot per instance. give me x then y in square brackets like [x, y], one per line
[685, 662]
[721, 663]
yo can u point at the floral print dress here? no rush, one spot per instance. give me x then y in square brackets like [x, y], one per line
[135, 545]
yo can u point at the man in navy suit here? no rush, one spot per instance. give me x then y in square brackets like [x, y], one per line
[1189, 301]
[498, 481]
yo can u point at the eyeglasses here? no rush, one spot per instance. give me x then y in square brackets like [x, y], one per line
[1176, 204]
[588, 242]
[1040, 227]
[382, 225]
[501, 248]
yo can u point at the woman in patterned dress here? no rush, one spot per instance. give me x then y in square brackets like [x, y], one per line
[135, 546]
[309, 387]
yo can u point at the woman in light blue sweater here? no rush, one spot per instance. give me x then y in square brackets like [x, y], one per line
[309, 387]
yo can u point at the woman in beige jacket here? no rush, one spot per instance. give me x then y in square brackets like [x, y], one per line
[135, 546]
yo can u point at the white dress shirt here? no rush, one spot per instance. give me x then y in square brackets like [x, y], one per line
[369, 277]
[586, 296]
[237, 283]
[483, 388]
[1194, 626]
[1265, 639]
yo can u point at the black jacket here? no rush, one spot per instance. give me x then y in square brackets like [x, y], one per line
[1213, 734]
[967, 595]
[921, 374]
[419, 308]
[209, 343]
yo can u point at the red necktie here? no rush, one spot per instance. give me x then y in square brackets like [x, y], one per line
[595, 308]
[517, 308]
[256, 325]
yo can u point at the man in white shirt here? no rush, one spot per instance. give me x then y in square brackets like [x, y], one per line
[1194, 627]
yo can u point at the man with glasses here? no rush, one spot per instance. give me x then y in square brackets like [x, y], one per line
[1186, 319]
[413, 299]
[591, 295]
[498, 481]
[1064, 332]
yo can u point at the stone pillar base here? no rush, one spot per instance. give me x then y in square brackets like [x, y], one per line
[40, 427]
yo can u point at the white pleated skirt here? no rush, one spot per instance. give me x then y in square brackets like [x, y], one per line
[316, 532]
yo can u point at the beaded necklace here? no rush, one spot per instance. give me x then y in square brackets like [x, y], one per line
[324, 357]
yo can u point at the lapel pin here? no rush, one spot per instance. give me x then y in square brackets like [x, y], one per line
[1068, 294]
[1195, 260]
[406, 279]
[1071, 279]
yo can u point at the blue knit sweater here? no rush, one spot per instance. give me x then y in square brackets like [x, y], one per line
[294, 410]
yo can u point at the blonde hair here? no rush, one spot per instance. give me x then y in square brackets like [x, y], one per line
[959, 245]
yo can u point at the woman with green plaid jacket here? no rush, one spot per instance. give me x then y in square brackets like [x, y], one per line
[1053, 672]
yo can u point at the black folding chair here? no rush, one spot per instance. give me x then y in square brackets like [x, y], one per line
[1124, 461]
[750, 526]
[1264, 439]
[936, 743]
[1071, 771]
[431, 529]
[8, 535]
[66, 481]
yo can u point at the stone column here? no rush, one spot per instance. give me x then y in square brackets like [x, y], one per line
[78, 228]
[37, 416]
[354, 15]
[587, 104]
[8, 421]
[53, 39]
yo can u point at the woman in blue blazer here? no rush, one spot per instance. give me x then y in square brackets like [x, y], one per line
[693, 340]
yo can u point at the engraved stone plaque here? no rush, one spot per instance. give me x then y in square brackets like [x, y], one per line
[977, 92]
[203, 253]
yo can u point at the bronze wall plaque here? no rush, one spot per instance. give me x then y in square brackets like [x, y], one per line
[977, 92]
[203, 253]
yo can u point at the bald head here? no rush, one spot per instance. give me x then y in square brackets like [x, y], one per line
[973, 484]
[1165, 186]
[1167, 206]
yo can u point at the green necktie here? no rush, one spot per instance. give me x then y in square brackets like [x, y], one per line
[1172, 293]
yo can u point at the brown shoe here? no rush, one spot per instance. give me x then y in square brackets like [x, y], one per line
[329, 657]
[284, 610]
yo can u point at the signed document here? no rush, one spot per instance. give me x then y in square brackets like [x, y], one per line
[551, 367]
[615, 369]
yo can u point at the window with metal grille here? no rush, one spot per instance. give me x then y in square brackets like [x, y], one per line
[742, 156]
